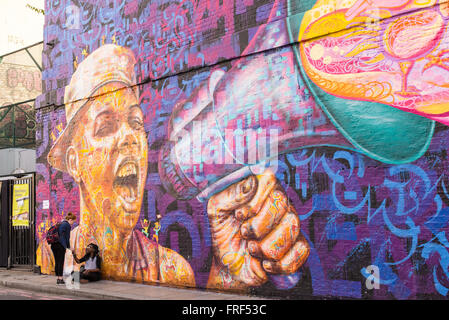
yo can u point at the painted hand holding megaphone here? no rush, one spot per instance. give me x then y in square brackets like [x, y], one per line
[256, 232]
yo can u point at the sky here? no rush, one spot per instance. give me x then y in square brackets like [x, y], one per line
[20, 26]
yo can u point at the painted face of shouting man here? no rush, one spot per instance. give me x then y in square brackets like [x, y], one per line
[108, 156]
[104, 148]
[104, 144]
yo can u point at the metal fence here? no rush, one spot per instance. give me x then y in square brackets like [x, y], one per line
[22, 242]
[20, 84]
[18, 125]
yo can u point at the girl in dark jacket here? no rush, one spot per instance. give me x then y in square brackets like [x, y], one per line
[59, 248]
[92, 268]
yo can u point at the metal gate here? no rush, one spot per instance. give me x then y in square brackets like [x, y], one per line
[22, 243]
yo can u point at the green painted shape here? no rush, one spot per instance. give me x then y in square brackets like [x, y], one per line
[380, 131]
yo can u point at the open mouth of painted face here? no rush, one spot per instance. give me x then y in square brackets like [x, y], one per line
[126, 184]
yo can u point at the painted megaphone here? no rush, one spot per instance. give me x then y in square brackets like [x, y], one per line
[391, 52]
[239, 121]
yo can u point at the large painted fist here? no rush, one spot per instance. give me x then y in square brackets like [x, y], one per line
[255, 230]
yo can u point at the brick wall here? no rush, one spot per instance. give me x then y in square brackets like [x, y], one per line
[286, 148]
[20, 79]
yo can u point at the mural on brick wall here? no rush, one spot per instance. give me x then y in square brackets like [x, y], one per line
[289, 148]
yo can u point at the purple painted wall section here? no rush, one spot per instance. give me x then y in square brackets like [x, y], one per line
[221, 89]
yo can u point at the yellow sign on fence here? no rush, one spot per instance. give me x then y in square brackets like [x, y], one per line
[21, 205]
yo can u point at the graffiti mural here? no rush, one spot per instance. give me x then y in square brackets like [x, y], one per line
[283, 147]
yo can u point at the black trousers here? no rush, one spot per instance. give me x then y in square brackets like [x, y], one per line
[91, 276]
[59, 254]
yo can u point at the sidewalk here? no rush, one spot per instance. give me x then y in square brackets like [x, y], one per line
[104, 289]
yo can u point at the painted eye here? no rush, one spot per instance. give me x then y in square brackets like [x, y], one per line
[104, 130]
[135, 118]
[135, 122]
[105, 125]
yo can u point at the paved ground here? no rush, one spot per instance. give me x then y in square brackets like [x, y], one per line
[28, 281]
[17, 294]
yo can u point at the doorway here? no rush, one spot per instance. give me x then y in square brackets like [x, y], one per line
[17, 217]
